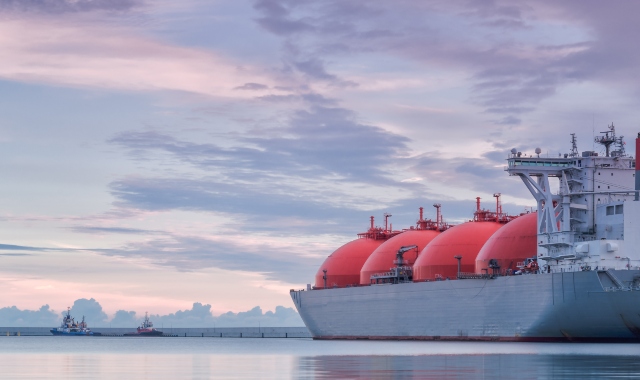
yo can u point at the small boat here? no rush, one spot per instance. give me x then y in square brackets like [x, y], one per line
[70, 327]
[145, 329]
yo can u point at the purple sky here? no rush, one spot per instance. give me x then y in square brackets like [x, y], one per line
[161, 153]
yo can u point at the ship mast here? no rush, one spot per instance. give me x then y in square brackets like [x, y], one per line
[574, 146]
[608, 138]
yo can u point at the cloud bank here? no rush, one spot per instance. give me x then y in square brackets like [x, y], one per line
[64, 6]
[198, 316]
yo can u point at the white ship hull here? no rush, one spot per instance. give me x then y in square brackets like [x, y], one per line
[573, 306]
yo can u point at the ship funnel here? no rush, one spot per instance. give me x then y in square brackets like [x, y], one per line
[637, 168]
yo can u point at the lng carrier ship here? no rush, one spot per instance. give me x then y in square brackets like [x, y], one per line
[568, 272]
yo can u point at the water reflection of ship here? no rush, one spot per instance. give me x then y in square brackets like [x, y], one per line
[478, 365]
[145, 329]
[71, 328]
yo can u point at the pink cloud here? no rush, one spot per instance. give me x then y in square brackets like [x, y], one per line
[87, 55]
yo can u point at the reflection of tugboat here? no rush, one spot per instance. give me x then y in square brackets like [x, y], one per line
[70, 327]
[145, 329]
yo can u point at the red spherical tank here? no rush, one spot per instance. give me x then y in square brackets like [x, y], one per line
[514, 243]
[381, 260]
[344, 264]
[465, 240]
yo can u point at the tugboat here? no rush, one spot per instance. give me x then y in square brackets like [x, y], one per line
[71, 328]
[145, 329]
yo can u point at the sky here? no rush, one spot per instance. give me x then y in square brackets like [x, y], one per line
[206, 156]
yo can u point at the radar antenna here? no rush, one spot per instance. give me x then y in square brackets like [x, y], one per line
[608, 138]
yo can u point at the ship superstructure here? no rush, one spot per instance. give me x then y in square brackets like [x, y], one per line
[70, 327]
[146, 328]
[585, 227]
[577, 276]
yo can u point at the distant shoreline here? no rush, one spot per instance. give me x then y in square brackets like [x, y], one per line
[220, 332]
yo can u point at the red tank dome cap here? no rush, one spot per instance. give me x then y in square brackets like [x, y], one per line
[509, 247]
[342, 267]
[382, 259]
[438, 259]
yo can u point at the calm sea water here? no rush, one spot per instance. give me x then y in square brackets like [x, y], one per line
[233, 358]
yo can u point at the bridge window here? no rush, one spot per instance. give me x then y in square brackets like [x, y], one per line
[610, 210]
[619, 209]
[539, 163]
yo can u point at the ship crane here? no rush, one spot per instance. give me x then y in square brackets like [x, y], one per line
[401, 273]
[399, 255]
